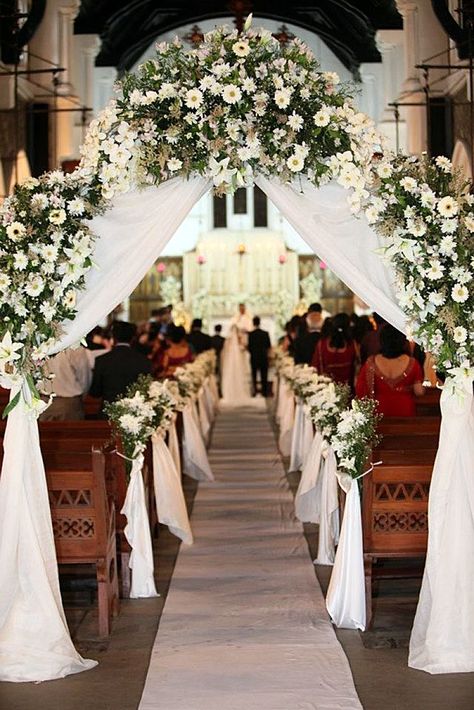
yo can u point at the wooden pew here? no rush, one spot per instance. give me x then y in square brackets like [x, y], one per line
[83, 516]
[395, 497]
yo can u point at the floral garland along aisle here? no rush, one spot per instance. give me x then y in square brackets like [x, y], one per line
[236, 106]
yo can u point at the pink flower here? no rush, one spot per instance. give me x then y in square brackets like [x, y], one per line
[323, 265]
[161, 267]
[282, 259]
[201, 259]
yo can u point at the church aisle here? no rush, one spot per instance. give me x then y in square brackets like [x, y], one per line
[244, 625]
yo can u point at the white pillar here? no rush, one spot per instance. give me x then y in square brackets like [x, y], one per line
[66, 16]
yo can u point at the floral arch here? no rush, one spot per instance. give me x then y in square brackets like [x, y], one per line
[238, 109]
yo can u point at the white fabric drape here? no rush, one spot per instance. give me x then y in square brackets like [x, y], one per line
[169, 496]
[347, 244]
[287, 418]
[137, 532]
[442, 639]
[316, 499]
[204, 420]
[195, 461]
[173, 445]
[329, 519]
[235, 382]
[34, 638]
[345, 599]
[302, 437]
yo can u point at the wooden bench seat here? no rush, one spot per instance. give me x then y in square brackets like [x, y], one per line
[83, 516]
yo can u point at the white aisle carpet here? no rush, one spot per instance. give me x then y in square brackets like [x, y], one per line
[244, 626]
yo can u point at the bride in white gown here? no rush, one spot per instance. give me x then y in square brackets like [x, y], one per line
[235, 370]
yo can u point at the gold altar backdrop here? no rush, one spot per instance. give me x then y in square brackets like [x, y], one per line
[228, 265]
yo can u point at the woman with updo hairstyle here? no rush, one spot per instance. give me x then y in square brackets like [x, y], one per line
[335, 353]
[393, 378]
[178, 352]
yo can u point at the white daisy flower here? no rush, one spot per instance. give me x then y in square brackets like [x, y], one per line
[283, 97]
[20, 260]
[447, 206]
[249, 85]
[16, 230]
[449, 226]
[48, 311]
[5, 281]
[166, 91]
[295, 162]
[459, 293]
[57, 216]
[193, 98]
[174, 164]
[70, 298]
[295, 121]
[469, 222]
[49, 252]
[34, 286]
[435, 271]
[384, 170]
[76, 206]
[460, 334]
[231, 94]
[437, 298]
[409, 184]
[322, 117]
[444, 163]
[241, 48]
[447, 245]
[371, 214]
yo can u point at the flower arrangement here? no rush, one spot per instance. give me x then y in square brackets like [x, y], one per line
[235, 105]
[326, 404]
[355, 435]
[426, 214]
[191, 377]
[147, 407]
[46, 250]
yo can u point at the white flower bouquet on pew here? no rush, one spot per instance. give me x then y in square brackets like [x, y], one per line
[355, 435]
[326, 404]
[148, 406]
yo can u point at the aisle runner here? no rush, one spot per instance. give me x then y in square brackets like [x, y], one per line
[244, 625]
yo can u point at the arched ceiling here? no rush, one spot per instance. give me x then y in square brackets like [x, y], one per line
[128, 27]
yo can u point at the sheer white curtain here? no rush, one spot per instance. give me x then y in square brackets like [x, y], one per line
[443, 634]
[34, 638]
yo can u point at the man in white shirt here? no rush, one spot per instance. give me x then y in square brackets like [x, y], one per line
[72, 370]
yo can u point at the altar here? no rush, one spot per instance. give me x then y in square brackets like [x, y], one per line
[228, 267]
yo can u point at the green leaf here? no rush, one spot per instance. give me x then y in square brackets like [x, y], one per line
[11, 405]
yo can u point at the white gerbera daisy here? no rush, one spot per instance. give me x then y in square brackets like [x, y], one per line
[174, 164]
[435, 271]
[295, 162]
[35, 286]
[16, 230]
[241, 48]
[282, 97]
[295, 121]
[460, 334]
[57, 216]
[322, 118]
[459, 293]
[231, 94]
[447, 206]
[20, 260]
[193, 98]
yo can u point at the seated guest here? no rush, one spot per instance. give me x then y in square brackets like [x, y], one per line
[259, 347]
[318, 318]
[292, 329]
[370, 343]
[335, 354]
[305, 343]
[198, 340]
[392, 377]
[119, 368]
[72, 371]
[97, 339]
[178, 352]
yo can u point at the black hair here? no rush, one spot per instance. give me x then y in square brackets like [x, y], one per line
[256, 321]
[218, 328]
[340, 333]
[196, 324]
[393, 343]
[123, 332]
[378, 319]
[176, 333]
[361, 327]
[315, 308]
[326, 328]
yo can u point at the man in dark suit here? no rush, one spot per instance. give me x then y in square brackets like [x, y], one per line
[198, 340]
[119, 368]
[259, 346]
[217, 341]
[305, 344]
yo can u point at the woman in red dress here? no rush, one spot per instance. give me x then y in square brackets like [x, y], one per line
[335, 355]
[178, 352]
[392, 377]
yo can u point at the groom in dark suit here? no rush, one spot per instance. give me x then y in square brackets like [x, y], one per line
[259, 346]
